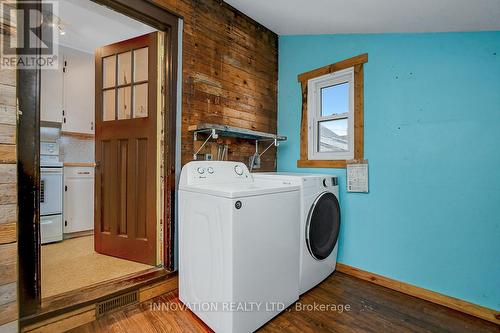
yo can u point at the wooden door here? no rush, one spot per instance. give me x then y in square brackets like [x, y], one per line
[127, 149]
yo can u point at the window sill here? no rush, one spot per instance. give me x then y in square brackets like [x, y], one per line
[321, 164]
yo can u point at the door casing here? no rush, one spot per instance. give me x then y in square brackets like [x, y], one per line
[28, 94]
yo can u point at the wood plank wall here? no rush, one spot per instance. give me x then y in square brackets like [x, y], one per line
[230, 73]
[8, 194]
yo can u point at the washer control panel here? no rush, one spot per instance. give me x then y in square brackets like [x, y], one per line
[212, 172]
[238, 169]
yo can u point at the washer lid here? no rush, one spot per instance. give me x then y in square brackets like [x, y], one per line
[239, 190]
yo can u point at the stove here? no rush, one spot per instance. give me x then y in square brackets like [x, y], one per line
[51, 193]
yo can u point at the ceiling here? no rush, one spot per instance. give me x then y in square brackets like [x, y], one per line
[88, 25]
[299, 17]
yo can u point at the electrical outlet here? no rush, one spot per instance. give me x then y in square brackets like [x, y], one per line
[256, 162]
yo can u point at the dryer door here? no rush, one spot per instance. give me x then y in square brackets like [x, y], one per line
[323, 226]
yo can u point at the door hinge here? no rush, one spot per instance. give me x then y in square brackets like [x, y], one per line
[64, 120]
[65, 223]
[63, 112]
[65, 188]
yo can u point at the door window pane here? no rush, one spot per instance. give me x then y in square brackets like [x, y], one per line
[125, 68]
[124, 103]
[108, 107]
[108, 71]
[141, 64]
[335, 99]
[333, 136]
[141, 100]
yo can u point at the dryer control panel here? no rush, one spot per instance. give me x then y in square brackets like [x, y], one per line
[214, 172]
[329, 181]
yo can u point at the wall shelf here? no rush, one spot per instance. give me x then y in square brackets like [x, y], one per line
[215, 130]
[235, 132]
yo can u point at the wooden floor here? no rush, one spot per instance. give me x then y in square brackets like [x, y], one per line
[372, 309]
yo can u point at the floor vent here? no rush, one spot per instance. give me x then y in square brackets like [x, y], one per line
[114, 303]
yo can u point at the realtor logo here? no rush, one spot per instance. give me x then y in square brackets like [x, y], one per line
[29, 34]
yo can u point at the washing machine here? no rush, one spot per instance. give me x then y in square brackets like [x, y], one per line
[238, 250]
[319, 223]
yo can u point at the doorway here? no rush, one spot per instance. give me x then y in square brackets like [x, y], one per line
[106, 124]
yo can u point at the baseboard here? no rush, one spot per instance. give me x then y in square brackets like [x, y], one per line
[78, 234]
[428, 295]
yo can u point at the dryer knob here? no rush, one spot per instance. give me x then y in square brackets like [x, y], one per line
[325, 182]
[201, 170]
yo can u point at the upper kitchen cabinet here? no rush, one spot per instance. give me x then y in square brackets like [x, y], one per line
[78, 96]
[51, 94]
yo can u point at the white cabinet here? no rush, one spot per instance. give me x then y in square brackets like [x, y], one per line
[78, 208]
[79, 92]
[51, 94]
[68, 94]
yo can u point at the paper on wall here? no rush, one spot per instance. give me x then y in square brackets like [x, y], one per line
[357, 177]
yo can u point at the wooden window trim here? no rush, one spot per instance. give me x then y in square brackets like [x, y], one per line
[356, 62]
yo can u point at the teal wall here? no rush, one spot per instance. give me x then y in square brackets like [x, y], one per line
[432, 138]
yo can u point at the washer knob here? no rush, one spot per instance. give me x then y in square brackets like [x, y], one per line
[210, 170]
[201, 170]
[238, 169]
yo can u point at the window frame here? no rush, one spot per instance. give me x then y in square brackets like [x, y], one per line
[314, 89]
[305, 161]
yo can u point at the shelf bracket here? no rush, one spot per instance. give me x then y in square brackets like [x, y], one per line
[213, 134]
[274, 143]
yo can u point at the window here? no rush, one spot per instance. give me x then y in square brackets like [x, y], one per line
[125, 85]
[332, 114]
